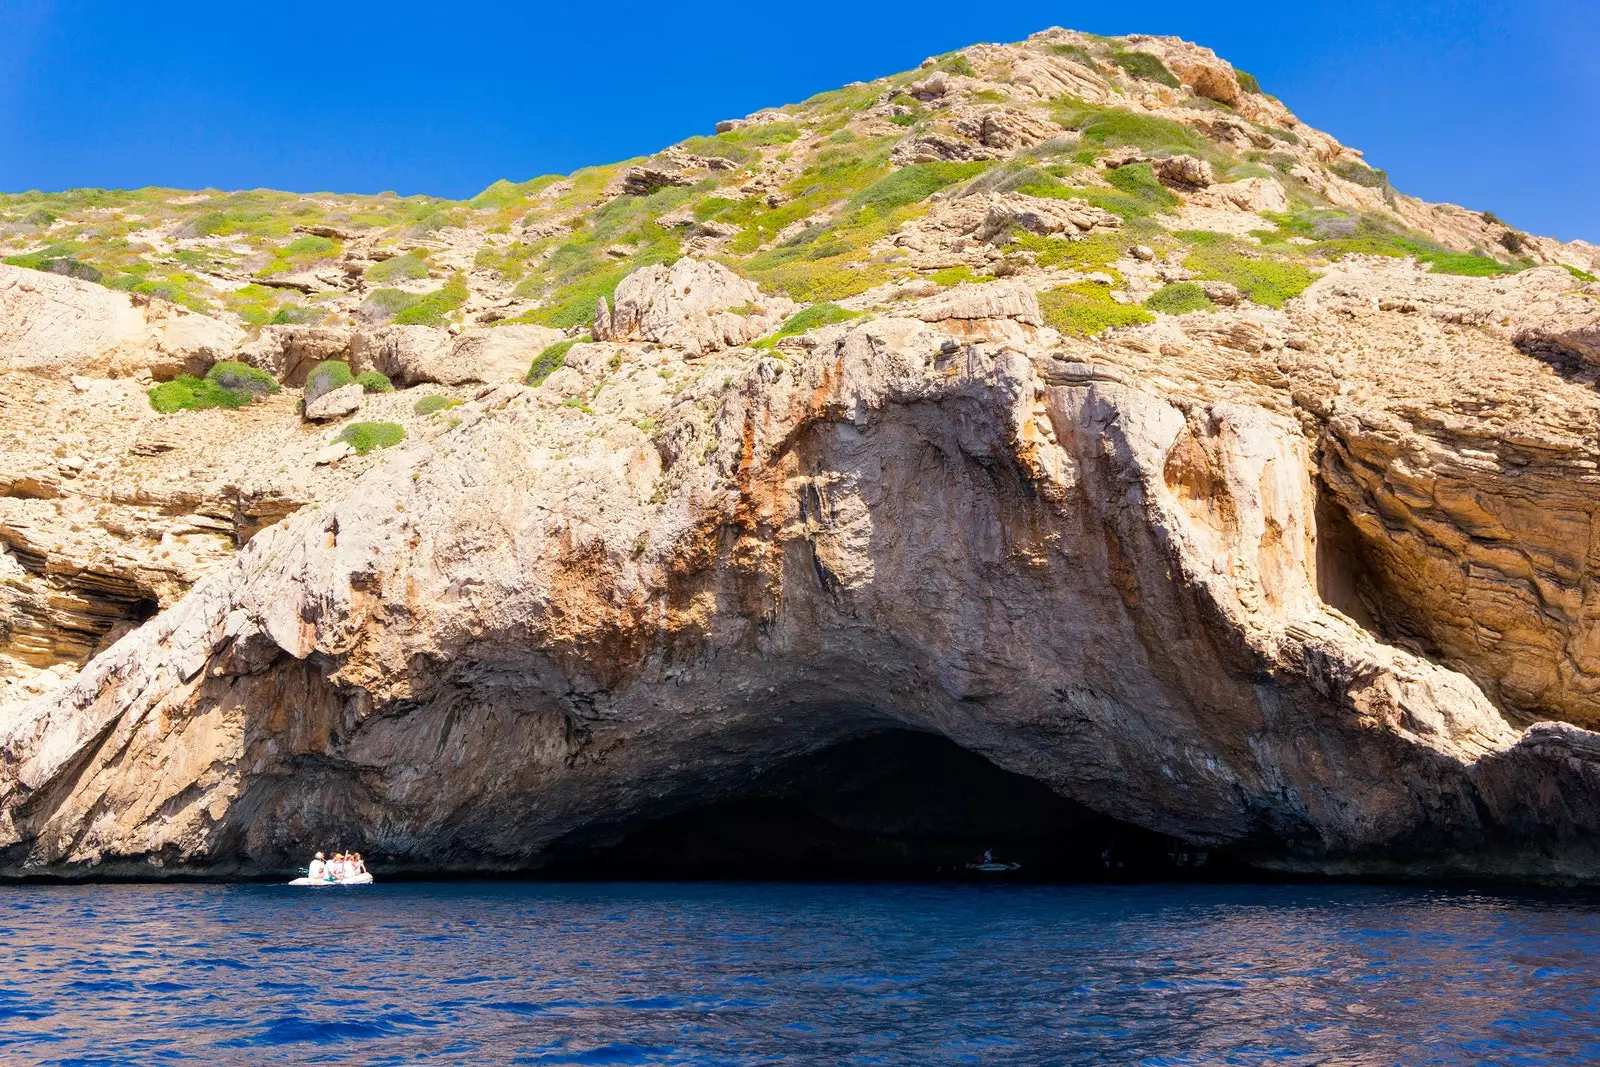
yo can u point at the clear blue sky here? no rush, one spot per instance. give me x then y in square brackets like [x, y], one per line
[1491, 105]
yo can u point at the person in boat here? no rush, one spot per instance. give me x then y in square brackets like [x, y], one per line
[988, 856]
[318, 870]
[357, 864]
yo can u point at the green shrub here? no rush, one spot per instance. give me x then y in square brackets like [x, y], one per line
[237, 377]
[60, 258]
[1581, 275]
[429, 218]
[372, 381]
[431, 308]
[1136, 194]
[1286, 136]
[186, 393]
[1361, 174]
[254, 304]
[327, 376]
[434, 402]
[384, 304]
[1077, 53]
[1139, 181]
[408, 267]
[1467, 264]
[1086, 309]
[1514, 242]
[912, 184]
[1263, 279]
[1247, 81]
[294, 313]
[1179, 298]
[814, 317]
[309, 246]
[548, 362]
[817, 281]
[956, 64]
[366, 436]
[574, 304]
[957, 275]
[1110, 127]
[1343, 233]
[73, 268]
[208, 224]
[770, 133]
[1144, 65]
[503, 194]
[1091, 251]
[836, 175]
[739, 145]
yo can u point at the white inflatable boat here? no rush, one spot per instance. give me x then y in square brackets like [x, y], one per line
[356, 879]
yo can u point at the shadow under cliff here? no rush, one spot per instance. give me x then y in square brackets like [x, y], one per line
[897, 804]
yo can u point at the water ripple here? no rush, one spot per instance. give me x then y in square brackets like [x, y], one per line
[1166, 976]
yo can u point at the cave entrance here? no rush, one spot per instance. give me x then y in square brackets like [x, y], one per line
[898, 804]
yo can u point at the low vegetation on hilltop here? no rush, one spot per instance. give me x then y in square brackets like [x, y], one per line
[811, 201]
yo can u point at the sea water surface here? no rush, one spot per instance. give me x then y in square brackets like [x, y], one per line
[531, 973]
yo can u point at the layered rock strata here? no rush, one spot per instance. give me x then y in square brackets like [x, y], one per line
[501, 637]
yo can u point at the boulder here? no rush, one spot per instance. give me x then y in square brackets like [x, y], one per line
[932, 87]
[1208, 77]
[332, 453]
[1042, 215]
[411, 355]
[1007, 129]
[289, 352]
[345, 400]
[940, 148]
[53, 324]
[1224, 293]
[180, 342]
[1004, 311]
[1184, 170]
[991, 300]
[408, 355]
[642, 181]
[1571, 337]
[693, 305]
[496, 355]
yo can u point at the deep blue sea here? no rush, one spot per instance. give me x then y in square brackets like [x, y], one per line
[532, 973]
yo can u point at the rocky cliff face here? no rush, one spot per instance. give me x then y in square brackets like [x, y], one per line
[1298, 576]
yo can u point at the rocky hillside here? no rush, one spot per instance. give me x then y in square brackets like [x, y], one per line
[1070, 400]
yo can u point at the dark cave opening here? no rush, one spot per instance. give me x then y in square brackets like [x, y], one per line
[899, 805]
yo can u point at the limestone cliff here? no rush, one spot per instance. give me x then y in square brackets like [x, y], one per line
[1276, 549]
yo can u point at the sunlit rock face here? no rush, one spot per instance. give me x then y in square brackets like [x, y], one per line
[501, 637]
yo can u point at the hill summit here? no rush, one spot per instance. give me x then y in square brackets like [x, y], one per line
[853, 195]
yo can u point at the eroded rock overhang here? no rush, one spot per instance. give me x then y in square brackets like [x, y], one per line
[492, 643]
